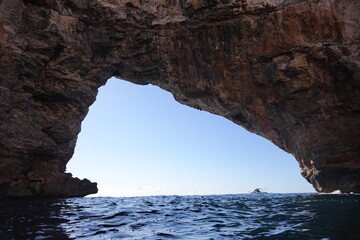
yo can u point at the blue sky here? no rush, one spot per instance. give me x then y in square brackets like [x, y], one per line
[138, 141]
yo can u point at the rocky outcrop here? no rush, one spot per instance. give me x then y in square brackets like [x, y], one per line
[288, 70]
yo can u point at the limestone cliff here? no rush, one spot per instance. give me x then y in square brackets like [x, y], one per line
[288, 70]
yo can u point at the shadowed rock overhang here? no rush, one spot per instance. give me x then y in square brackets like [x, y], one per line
[288, 70]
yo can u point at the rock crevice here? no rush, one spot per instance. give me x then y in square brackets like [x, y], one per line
[286, 70]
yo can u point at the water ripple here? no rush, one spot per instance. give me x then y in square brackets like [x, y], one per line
[244, 216]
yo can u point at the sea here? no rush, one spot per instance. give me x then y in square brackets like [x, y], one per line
[210, 217]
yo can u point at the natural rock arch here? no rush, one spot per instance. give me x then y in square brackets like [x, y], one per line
[286, 70]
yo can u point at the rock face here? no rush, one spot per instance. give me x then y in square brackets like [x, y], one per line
[288, 70]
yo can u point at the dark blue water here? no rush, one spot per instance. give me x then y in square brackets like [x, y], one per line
[244, 216]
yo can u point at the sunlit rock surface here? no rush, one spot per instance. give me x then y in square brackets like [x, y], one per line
[288, 70]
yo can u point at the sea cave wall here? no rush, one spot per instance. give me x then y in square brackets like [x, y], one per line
[288, 70]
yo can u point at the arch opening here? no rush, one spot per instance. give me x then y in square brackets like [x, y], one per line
[138, 141]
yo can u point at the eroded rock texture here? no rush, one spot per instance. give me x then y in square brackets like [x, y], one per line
[288, 70]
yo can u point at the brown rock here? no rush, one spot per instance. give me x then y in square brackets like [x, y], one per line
[286, 70]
